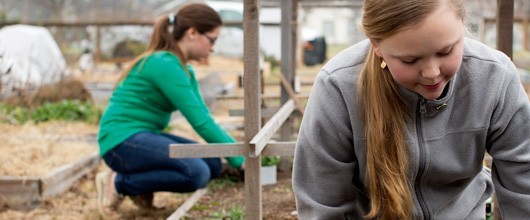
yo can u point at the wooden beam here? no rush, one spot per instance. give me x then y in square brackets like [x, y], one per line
[19, 192]
[279, 149]
[290, 28]
[494, 19]
[318, 3]
[292, 94]
[81, 23]
[288, 43]
[265, 112]
[252, 103]
[107, 23]
[236, 149]
[24, 192]
[207, 150]
[526, 42]
[303, 83]
[269, 129]
[505, 10]
[181, 211]
[62, 178]
[265, 96]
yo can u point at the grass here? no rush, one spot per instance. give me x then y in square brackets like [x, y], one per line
[234, 213]
[225, 181]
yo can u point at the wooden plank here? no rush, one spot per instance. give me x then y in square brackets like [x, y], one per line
[516, 19]
[269, 129]
[252, 103]
[505, 10]
[302, 83]
[290, 53]
[226, 150]
[319, 3]
[207, 150]
[19, 192]
[186, 206]
[526, 42]
[292, 94]
[63, 177]
[279, 149]
[24, 192]
[288, 42]
[82, 24]
[265, 112]
[264, 96]
[253, 193]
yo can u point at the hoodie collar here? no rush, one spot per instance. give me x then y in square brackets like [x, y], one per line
[432, 107]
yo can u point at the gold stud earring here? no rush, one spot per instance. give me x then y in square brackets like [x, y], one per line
[383, 64]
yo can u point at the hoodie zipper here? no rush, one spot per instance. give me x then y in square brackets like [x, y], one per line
[422, 161]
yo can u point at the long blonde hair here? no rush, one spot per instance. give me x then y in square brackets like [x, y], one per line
[167, 34]
[384, 112]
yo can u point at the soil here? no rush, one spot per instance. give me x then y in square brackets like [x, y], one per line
[80, 202]
[225, 195]
[277, 200]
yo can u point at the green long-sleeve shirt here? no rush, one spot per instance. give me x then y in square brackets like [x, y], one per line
[144, 101]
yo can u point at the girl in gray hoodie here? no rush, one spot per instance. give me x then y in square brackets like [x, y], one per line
[397, 126]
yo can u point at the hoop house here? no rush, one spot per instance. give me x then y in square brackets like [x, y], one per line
[29, 58]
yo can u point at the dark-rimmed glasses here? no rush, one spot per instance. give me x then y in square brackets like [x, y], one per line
[211, 39]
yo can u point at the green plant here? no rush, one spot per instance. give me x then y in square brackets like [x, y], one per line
[199, 207]
[270, 160]
[13, 114]
[222, 182]
[67, 110]
[235, 213]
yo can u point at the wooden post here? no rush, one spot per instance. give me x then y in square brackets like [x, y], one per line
[97, 49]
[288, 26]
[252, 102]
[505, 10]
[526, 43]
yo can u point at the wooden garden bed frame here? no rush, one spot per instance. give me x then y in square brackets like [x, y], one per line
[24, 192]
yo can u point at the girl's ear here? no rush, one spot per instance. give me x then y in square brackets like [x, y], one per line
[377, 50]
[192, 33]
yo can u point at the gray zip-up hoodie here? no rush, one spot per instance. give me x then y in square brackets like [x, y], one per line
[484, 110]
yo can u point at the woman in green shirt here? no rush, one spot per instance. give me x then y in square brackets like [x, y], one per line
[158, 83]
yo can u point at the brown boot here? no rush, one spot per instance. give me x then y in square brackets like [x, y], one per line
[108, 197]
[144, 201]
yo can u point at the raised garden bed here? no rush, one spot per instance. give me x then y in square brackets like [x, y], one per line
[42, 161]
[24, 192]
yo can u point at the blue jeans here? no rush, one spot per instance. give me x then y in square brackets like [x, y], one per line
[143, 165]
